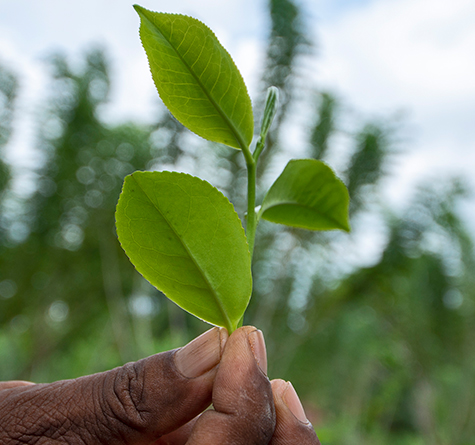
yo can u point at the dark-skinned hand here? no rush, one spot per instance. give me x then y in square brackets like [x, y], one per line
[162, 400]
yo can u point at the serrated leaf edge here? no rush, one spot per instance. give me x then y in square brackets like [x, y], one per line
[236, 133]
[230, 326]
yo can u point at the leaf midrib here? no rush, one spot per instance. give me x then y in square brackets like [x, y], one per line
[306, 206]
[223, 115]
[203, 274]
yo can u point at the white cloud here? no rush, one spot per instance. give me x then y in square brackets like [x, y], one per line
[32, 79]
[53, 25]
[402, 51]
[416, 55]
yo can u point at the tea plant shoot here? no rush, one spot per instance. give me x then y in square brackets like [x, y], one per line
[181, 233]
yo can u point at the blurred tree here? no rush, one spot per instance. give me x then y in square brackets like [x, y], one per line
[73, 284]
[286, 43]
[8, 90]
[381, 351]
[397, 337]
[324, 127]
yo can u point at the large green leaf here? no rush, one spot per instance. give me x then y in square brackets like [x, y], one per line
[308, 195]
[184, 236]
[196, 77]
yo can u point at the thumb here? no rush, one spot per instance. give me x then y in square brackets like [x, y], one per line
[13, 384]
[134, 404]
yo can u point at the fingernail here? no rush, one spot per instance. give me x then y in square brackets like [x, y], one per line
[202, 353]
[258, 348]
[292, 401]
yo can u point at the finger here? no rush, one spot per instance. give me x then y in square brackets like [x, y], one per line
[14, 383]
[292, 426]
[242, 396]
[179, 436]
[136, 403]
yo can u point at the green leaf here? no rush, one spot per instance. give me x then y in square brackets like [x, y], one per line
[185, 238]
[196, 78]
[270, 109]
[307, 195]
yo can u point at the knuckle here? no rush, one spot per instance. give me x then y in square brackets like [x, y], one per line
[125, 398]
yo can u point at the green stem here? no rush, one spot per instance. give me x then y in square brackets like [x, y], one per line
[251, 206]
[251, 162]
[251, 198]
[259, 147]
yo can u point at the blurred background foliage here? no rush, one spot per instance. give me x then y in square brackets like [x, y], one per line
[381, 351]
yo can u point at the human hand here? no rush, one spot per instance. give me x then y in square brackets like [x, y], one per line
[160, 400]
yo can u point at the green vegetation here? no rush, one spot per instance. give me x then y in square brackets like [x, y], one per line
[185, 238]
[180, 232]
[380, 351]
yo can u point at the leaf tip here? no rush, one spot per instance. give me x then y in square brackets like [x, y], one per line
[140, 10]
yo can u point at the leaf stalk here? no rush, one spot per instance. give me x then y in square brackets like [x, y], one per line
[251, 225]
[251, 197]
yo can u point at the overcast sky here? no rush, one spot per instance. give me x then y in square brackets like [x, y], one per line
[379, 56]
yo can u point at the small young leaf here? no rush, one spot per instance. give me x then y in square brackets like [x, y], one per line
[184, 236]
[270, 109]
[307, 195]
[196, 78]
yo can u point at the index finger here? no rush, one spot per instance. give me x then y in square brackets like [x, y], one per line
[242, 395]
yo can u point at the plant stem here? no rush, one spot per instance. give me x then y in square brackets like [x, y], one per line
[251, 198]
[251, 163]
[259, 147]
[251, 206]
